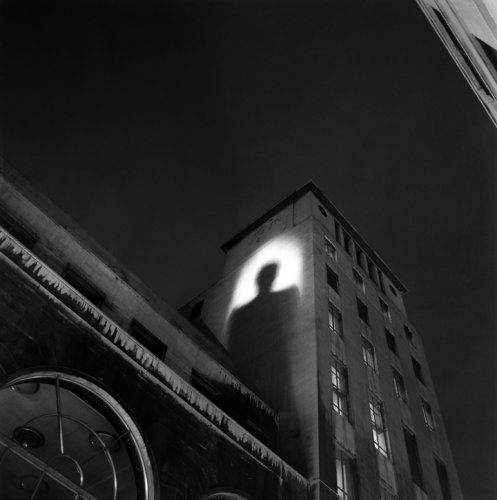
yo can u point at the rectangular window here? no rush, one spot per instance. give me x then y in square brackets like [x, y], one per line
[368, 353]
[382, 281]
[371, 270]
[338, 232]
[147, 339]
[428, 415]
[399, 385]
[385, 310]
[17, 230]
[358, 280]
[345, 490]
[330, 249]
[413, 456]
[391, 341]
[334, 319]
[380, 438]
[203, 386]
[83, 286]
[409, 334]
[362, 311]
[359, 255]
[332, 278]
[443, 477]
[197, 310]
[347, 243]
[417, 370]
[339, 384]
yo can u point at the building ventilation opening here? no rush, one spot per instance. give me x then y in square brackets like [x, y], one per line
[63, 437]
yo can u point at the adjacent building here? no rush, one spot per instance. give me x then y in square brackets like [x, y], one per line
[296, 376]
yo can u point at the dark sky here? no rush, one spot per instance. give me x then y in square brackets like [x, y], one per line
[163, 127]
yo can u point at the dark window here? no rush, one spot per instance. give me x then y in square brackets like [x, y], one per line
[334, 319]
[385, 310]
[197, 310]
[371, 269]
[147, 339]
[322, 210]
[347, 243]
[391, 341]
[392, 289]
[83, 286]
[332, 279]
[417, 370]
[382, 281]
[409, 334]
[399, 385]
[428, 415]
[204, 386]
[443, 477]
[362, 310]
[358, 280]
[338, 232]
[413, 456]
[359, 256]
[17, 230]
[330, 248]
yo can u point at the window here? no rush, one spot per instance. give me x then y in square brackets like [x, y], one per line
[338, 232]
[362, 310]
[427, 415]
[83, 286]
[399, 385]
[417, 370]
[344, 476]
[359, 256]
[203, 386]
[330, 249]
[358, 280]
[334, 319]
[197, 310]
[347, 243]
[17, 230]
[380, 438]
[382, 281]
[332, 278]
[443, 477]
[371, 270]
[368, 353]
[391, 341]
[339, 383]
[413, 456]
[147, 339]
[385, 310]
[392, 289]
[409, 334]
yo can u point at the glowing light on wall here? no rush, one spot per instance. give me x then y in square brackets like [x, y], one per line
[283, 251]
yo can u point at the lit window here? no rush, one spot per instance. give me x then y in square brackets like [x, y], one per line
[399, 385]
[334, 319]
[368, 354]
[428, 415]
[358, 280]
[362, 311]
[380, 438]
[339, 383]
[330, 249]
[344, 477]
[332, 278]
[417, 370]
[391, 341]
[385, 310]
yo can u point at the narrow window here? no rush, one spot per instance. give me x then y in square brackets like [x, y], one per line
[203, 386]
[17, 230]
[385, 310]
[391, 341]
[344, 476]
[334, 320]
[347, 243]
[417, 370]
[359, 256]
[380, 438]
[371, 269]
[413, 456]
[362, 310]
[83, 286]
[197, 310]
[147, 339]
[409, 334]
[339, 384]
[443, 477]
[332, 279]
[368, 354]
[330, 249]
[358, 280]
[382, 281]
[338, 232]
[399, 385]
[428, 415]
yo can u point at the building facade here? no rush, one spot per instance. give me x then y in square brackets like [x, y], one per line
[296, 376]
[468, 29]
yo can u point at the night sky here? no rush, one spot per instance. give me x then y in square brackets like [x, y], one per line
[164, 127]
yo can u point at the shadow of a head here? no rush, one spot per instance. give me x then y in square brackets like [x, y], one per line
[266, 277]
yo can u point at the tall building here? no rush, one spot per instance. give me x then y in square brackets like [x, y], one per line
[296, 376]
[468, 29]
